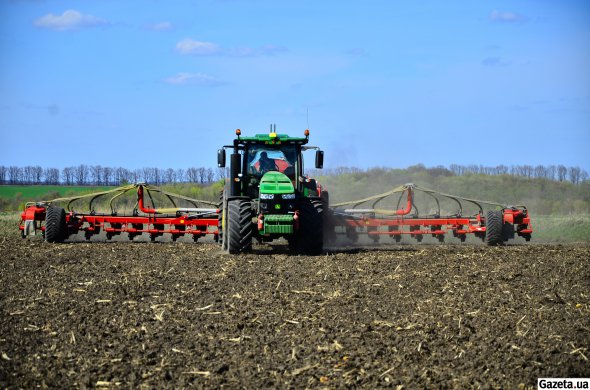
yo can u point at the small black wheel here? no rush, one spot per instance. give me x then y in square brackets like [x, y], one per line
[374, 237]
[55, 224]
[352, 234]
[239, 226]
[494, 227]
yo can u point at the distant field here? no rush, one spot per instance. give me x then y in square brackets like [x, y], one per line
[35, 191]
[561, 228]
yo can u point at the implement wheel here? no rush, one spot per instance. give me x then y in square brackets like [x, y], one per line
[239, 226]
[309, 240]
[494, 227]
[55, 224]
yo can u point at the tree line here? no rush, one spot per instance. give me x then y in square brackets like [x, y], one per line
[107, 176]
[110, 176]
[560, 173]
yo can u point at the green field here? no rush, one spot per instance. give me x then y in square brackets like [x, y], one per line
[561, 228]
[38, 191]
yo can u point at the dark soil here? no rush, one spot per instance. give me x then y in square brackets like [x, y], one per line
[174, 315]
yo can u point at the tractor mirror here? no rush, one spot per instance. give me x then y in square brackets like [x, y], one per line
[319, 159]
[221, 158]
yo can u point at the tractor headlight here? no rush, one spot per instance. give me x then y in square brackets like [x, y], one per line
[267, 196]
[288, 196]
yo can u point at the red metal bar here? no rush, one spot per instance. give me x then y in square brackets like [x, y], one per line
[408, 205]
[144, 209]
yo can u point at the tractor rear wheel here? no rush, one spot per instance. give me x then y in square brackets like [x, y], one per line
[239, 226]
[494, 227]
[309, 240]
[55, 224]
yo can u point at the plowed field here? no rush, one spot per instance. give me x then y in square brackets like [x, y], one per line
[174, 315]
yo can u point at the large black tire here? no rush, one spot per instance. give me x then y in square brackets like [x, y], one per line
[55, 224]
[239, 226]
[494, 222]
[309, 239]
[508, 231]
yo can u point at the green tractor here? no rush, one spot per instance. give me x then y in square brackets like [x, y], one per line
[267, 195]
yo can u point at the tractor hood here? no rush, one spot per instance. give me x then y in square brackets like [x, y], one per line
[276, 183]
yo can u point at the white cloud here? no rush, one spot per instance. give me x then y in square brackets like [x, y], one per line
[200, 48]
[202, 79]
[188, 46]
[69, 20]
[161, 26]
[508, 17]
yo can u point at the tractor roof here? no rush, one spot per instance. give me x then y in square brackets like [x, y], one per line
[273, 139]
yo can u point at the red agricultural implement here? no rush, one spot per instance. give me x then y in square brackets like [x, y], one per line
[56, 223]
[268, 196]
[494, 226]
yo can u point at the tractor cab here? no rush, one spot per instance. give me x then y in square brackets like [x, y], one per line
[253, 157]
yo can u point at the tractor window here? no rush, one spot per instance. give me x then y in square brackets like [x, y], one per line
[262, 159]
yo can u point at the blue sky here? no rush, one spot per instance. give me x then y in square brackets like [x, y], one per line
[381, 83]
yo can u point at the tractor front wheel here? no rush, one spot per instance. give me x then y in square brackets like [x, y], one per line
[55, 224]
[309, 240]
[239, 226]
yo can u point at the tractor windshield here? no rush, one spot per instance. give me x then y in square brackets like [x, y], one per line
[263, 158]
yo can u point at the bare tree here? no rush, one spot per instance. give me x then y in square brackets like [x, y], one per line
[456, 169]
[67, 175]
[180, 175]
[202, 174]
[96, 174]
[192, 175]
[15, 175]
[169, 176]
[146, 175]
[51, 176]
[81, 174]
[502, 170]
[574, 174]
[122, 176]
[107, 173]
[3, 172]
[37, 174]
[551, 170]
[136, 176]
[27, 175]
[210, 175]
[561, 173]
[540, 171]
